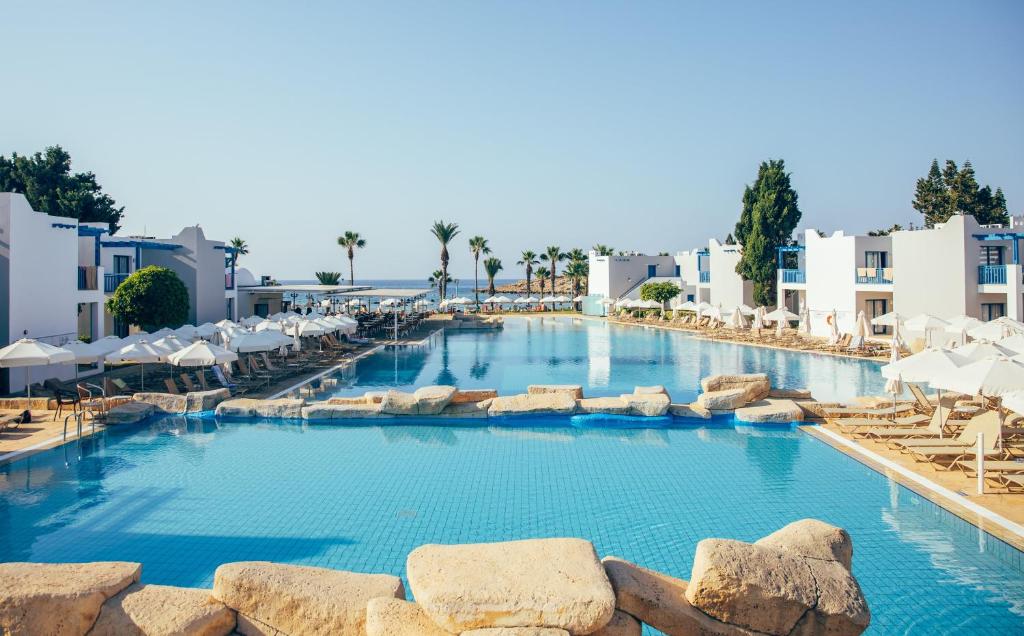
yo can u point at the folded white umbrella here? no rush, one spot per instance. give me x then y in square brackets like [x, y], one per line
[388, 302]
[975, 351]
[201, 354]
[924, 365]
[27, 352]
[992, 377]
[607, 301]
[962, 323]
[160, 333]
[278, 316]
[758, 322]
[1014, 343]
[833, 325]
[736, 319]
[805, 321]
[860, 325]
[138, 337]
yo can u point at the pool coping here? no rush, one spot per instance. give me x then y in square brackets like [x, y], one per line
[974, 513]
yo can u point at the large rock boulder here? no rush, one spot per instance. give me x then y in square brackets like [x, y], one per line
[161, 610]
[467, 410]
[660, 601]
[693, 410]
[656, 389]
[296, 599]
[130, 413]
[770, 411]
[395, 617]
[359, 399]
[237, 407]
[814, 410]
[813, 539]
[473, 395]
[163, 402]
[59, 598]
[516, 631]
[533, 583]
[724, 400]
[756, 385]
[575, 390]
[202, 401]
[431, 400]
[327, 411]
[608, 405]
[622, 624]
[841, 608]
[790, 394]
[554, 403]
[647, 405]
[399, 403]
[286, 408]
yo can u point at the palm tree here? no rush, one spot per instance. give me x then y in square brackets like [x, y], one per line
[435, 279]
[552, 255]
[577, 271]
[542, 276]
[576, 255]
[240, 248]
[603, 250]
[444, 233]
[478, 246]
[491, 267]
[529, 259]
[350, 241]
[328, 278]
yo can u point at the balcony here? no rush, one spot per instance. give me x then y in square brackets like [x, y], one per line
[87, 278]
[992, 274]
[874, 275]
[229, 280]
[111, 281]
[705, 277]
[792, 276]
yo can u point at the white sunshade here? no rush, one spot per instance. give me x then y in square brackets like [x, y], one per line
[924, 322]
[270, 325]
[253, 342]
[924, 365]
[607, 301]
[161, 332]
[532, 299]
[975, 351]
[995, 329]
[736, 319]
[490, 301]
[107, 344]
[962, 323]
[890, 319]
[562, 299]
[253, 321]
[1014, 343]
[1014, 401]
[805, 321]
[703, 306]
[860, 325]
[687, 306]
[747, 310]
[991, 377]
[579, 299]
[85, 353]
[138, 337]
[224, 324]
[311, 328]
[139, 352]
[549, 299]
[201, 354]
[186, 332]
[780, 314]
[32, 353]
[504, 300]
[522, 300]
[207, 330]
[388, 302]
[171, 343]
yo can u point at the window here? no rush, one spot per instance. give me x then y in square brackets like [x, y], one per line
[877, 260]
[877, 307]
[991, 254]
[991, 311]
[122, 265]
[678, 271]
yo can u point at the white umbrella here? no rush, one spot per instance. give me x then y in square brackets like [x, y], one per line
[186, 332]
[226, 323]
[1014, 343]
[992, 377]
[269, 325]
[579, 298]
[253, 321]
[253, 342]
[532, 299]
[310, 328]
[758, 322]
[780, 314]
[170, 343]
[860, 326]
[296, 340]
[736, 319]
[924, 322]
[924, 365]
[140, 353]
[833, 325]
[504, 300]
[201, 354]
[647, 304]
[520, 301]
[563, 299]
[805, 321]
[27, 352]
[976, 351]
[491, 300]
[608, 301]
[891, 319]
[388, 302]
[961, 323]
[107, 344]
[687, 306]
[160, 333]
[1014, 401]
[85, 353]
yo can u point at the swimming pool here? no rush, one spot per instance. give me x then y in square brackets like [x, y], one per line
[607, 359]
[182, 495]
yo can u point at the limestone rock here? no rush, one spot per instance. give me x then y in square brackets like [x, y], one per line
[622, 624]
[464, 410]
[288, 408]
[791, 394]
[362, 399]
[200, 401]
[841, 609]
[575, 390]
[163, 402]
[59, 598]
[536, 582]
[610, 405]
[660, 601]
[431, 400]
[756, 385]
[770, 411]
[724, 400]
[327, 411]
[237, 407]
[752, 586]
[689, 410]
[516, 631]
[812, 539]
[395, 617]
[473, 395]
[399, 403]
[647, 405]
[657, 389]
[557, 403]
[129, 413]
[161, 610]
[815, 410]
[297, 599]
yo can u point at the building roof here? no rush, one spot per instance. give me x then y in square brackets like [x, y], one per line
[301, 289]
[386, 292]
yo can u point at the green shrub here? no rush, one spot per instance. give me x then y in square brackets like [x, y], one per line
[152, 298]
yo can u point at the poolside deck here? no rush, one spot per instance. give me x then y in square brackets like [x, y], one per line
[42, 432]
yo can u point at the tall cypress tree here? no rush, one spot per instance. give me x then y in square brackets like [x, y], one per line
[930, 195]
[954, 190]
[770, 214]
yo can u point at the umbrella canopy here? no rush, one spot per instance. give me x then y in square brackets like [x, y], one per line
[562, 299]
[85, 353]
[605, 301]
[894, 385]
[389, 302]
[504, 300]
[161, 332]
[924, 365]
[532, 299]
[107, 344]
[833, 326]
[890, 319]
[225, 323]
[186, 332]
[253, 342]
[171, 343]
[1014, 343]
[860, 326]
[805, 321]
[491, 300]
[139, 352]
[980, 350]
[253, 321]
[32, 353]
[924, 322]
[647, 304]
[311, 328]
[747, 310]
[270, 325]
[201, 354]
[962, 323]
[687, 306]
[991, 377]
[549, 299]
[1014, 401]
[737, 320]
[522, 300]
[782, 314]
[758, 322]
[579, 298]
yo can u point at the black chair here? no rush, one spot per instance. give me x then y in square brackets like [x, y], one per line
[63, 396]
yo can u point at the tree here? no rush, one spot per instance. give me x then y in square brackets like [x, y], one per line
[576, 255]
[729, 240]
[953, 190]
[659, 292]
[492, 266]
[239, 248]
[328, 278]
[603, 250]
[436, 278]
[444, 233]
[152, 298]
[528, 259]
[478, 246]
[577, 271]
[47, 182]
[895, 228]
[542, 275]
[770, 214]
[350, 241]
[552, 255]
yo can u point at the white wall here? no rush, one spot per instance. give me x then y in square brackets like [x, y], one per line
[613, 276]
[937, 270]
[727, 287]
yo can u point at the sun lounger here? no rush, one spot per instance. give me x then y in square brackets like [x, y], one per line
[172, 388]
[1000, 473]
[851, 411]
[186, 379]
[983, 422]
[947, 453]
[854, 424]
[1013, 481]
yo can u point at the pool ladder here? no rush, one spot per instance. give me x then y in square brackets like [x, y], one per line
[79, 417]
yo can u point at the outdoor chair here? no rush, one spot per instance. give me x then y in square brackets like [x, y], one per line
[95, 406]
[172, 388]
[62, 396]
[187, 381]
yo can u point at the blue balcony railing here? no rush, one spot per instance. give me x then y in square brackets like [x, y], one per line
[111, 281]
[874, 275]
[793, 275]
[992, 274]
[705, 277]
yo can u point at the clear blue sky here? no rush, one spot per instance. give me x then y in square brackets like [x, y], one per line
[634, 124]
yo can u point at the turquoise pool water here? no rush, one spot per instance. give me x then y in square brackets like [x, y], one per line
[606, 359]
[184, 495]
